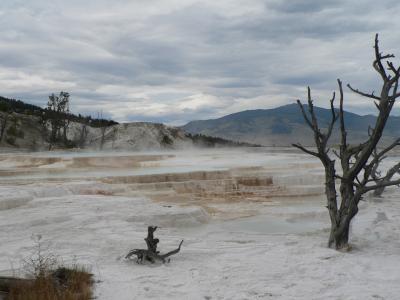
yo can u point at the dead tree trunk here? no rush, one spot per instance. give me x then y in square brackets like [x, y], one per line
[151, 254]
[3, 125]
[65, 130]
[103, 136]
[151, 242]
[83, 136]
[357, 162]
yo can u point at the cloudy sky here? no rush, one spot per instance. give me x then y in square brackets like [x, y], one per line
[177, 60]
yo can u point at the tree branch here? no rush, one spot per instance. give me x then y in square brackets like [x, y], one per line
[372, 96]
[305, 115]
[379, 185]
[377, 64]
[298, 146]
[334, 118]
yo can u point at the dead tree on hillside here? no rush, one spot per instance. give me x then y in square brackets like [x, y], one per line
[357, 161]
[83, 134]
[3, 124]
[151, 254]
[114, 136]
[103, 129]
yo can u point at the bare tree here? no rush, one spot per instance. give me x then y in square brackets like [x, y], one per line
[83, 134]
[114, 136]
[357, 161]
[103, 128]
[3, 124]
[57, 113]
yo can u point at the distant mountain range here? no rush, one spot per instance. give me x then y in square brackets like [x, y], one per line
[21, 126]
[284, 125]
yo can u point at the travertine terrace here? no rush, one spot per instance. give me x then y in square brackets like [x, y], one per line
[208, 179]
[253, 222]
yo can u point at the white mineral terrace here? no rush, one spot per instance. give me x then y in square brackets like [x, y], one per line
[254, 224]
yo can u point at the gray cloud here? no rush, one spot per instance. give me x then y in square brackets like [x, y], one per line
[174, 61]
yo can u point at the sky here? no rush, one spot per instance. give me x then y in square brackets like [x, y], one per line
[180, 60]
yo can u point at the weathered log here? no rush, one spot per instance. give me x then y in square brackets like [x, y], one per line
[151, 254]
[145, 254]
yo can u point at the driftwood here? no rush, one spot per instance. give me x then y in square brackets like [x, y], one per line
[151, 254]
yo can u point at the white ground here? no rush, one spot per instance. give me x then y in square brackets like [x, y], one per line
[279, 254]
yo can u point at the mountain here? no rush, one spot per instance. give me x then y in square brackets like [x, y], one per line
[285, 125]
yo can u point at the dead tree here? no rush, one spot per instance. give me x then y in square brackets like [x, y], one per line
[357, 161]
[103, 136]
[103, 129]
[56, 113]
[83, 134]
[151, 254]
[3, 124]
[114, 136]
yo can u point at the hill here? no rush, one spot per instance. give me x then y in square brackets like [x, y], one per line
[22, 127]
[284, 125]
[9, 105]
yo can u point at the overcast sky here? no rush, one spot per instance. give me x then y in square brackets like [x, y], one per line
[179, 60]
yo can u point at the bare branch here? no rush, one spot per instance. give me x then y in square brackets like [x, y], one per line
[372, 96]
[377, 64]
[317, 133]
[298, 146]
[396, 78]
[305, 115]
[341, 116]
[379, 185]
[387, 149]
[391, 67]
[335, 153]
[334, 118]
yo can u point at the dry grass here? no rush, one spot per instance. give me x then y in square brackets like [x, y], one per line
[65, 283]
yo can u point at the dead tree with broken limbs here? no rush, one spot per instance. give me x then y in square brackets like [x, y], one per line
[358, 162]
[151, 254]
